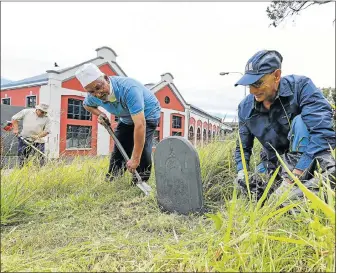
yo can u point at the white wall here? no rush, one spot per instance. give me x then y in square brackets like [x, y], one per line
[103, 137]
[50, 94]
[203, 119]
[167, 120]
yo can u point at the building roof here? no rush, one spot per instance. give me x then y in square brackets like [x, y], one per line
[43, 78]
[5, 81]
[167, 78]
[197, 109]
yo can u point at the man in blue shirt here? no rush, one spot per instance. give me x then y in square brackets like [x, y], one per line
[289, 114]
[138, 110]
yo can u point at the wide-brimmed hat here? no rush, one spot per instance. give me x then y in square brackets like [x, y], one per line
[43, 107]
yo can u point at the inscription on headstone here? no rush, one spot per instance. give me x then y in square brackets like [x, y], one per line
[178, 177]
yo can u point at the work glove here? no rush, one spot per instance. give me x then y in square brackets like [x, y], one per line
[284, 187]
[239, 182]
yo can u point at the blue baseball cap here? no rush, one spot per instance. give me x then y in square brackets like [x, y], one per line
[262, 63]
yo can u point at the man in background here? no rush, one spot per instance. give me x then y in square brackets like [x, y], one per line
[35, 126]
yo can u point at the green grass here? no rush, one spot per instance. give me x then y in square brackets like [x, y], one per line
[66, 218]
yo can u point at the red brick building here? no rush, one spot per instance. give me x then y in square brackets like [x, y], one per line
[76, 132]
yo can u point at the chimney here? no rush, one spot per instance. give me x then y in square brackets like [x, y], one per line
[107, 53]
[167, 77]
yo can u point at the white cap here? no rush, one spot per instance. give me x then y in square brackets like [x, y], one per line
[88, 73]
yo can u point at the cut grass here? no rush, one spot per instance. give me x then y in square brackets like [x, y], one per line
[66, 218]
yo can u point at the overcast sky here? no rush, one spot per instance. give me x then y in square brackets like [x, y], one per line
[194, 41]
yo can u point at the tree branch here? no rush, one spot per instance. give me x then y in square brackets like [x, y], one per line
[277, 11]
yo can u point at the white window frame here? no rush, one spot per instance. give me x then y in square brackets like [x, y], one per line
[31, 96]
[10, 100]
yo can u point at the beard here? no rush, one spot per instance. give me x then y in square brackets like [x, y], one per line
[104, 97]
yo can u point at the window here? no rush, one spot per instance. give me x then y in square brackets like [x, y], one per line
[78, 136]
[209, 134]
[191, 133]
[77, 111]
[6, 101]
[167, 100]
[156, 138]
[213, 134]
[198, 134]
[176, 122]
[31, 101]
[204, 134]
[176, 133]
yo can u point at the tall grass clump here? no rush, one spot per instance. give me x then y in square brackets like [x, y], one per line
[65, 217]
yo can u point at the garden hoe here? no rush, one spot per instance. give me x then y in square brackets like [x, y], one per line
[140, 184]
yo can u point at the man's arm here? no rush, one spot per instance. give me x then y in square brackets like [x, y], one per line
[247, 141]
[135, 102]
[317, 116]
[15, 127]
[90, 105]
[15, 118]
[46, 130]
[95, 111]
[138, 136]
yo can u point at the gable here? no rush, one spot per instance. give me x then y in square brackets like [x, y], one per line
[74, 84]
[174, 102]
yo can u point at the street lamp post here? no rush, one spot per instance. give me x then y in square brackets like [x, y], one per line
[226, 73]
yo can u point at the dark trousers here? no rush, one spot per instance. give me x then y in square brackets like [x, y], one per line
[24, 151]
[124, 134]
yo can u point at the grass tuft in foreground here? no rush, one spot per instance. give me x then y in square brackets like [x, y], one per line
[66, 218]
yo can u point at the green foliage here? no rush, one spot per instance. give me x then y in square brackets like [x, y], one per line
[330, 94]
[278, 11]
[67, 218]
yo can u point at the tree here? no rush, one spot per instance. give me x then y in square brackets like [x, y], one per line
[330, 94]
[277, 11]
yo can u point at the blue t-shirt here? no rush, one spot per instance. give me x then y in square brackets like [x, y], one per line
[131, 98]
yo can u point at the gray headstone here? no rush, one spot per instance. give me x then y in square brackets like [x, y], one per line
[178, 177]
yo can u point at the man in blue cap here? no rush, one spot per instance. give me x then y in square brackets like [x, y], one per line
[289, 114]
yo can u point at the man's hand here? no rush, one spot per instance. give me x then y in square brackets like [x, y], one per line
[240, 175]
[240, 180]
[101, 118]
[297, 173]
[132, 165]
[287, 182]
[16, 131]
[35, 137]
[285, 186]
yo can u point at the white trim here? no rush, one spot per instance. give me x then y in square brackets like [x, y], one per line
[78, 149]
[159, 86]
[35, 100]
